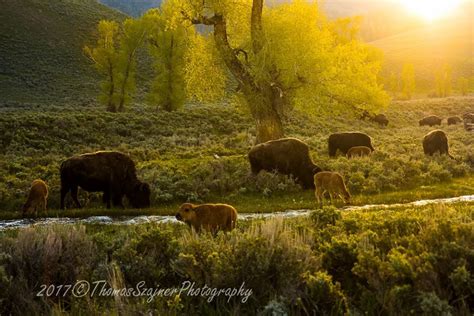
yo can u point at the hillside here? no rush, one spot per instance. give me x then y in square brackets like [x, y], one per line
[132, 7]
[450, 41]
[41, 48]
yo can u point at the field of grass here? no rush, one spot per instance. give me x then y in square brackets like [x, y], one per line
[199, 154]
[399, 261]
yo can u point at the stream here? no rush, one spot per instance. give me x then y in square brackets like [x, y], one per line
[136, 220]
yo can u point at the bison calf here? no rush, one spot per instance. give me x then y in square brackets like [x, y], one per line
[332, 182]
[344, 141]
[288, 156]
[436, 141]
[37, 198]
[358, 151]
[210, 217]
[430, 120]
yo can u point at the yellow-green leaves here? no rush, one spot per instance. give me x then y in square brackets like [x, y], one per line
[408, 80]
[205, 76]
[114, 57]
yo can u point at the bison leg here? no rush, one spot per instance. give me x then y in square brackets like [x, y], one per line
[106, 198]
[117, 200]
[319, 196]
[331, 197]
[74, 190]
[64, 191]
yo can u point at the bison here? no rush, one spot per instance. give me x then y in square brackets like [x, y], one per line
[358, 151]
[210, 217]
[112, 173]
[430, 120]
[333, 183]
[436, 141]
[468, 121]
[453, 120]
[288, 156]
[345, 141]
[381, 119]
[37, 198]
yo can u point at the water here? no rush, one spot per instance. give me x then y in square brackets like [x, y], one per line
[137, 220]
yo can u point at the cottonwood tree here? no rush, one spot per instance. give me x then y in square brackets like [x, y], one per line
[443, 80]
[288, 56]
[105, 56]
[168, 47]
[114, 57]
[408, 80]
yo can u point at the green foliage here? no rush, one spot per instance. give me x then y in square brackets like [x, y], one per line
[463, 85]
[443, 81]
[114, 58]
[401, 260]
[54, 255]
[408, 81]
[168, 47]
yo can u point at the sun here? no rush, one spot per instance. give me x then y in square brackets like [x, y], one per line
[431, 9]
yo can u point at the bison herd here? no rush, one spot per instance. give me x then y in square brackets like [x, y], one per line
[114, 173]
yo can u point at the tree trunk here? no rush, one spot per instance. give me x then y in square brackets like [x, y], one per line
[110, 103]
[269, 126]
[265, 99]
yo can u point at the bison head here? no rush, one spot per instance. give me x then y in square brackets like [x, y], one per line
[139, 196]
[186, 213]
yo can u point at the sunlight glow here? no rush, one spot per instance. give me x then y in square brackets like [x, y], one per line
[431, 9]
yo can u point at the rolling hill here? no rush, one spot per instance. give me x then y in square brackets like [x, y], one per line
[449, 41]
[41, 49]
[132, 7]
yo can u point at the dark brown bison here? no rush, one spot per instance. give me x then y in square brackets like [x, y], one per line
[288, 156]
[381, 119]
[112, 173]
[345, 141]
[436, 141]
[430, 120]
[453, 120]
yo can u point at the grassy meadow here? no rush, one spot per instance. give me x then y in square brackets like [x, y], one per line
[199, 155]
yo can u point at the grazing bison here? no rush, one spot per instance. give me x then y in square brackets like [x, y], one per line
[430, 120]
[288, 156]
[110, 172]
[37, 198]
[345, 141]
[210, 217]
[358, 151]
[468, 121]
[381, 119]
[333, 183]
[436, 141]
[453, 120]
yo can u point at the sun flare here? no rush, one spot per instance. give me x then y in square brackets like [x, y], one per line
[431, 9]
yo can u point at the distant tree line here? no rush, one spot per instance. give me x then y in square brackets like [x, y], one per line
[403, 86]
